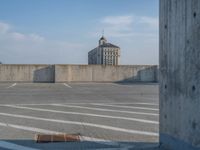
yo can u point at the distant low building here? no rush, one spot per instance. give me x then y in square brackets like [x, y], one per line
[105, 53]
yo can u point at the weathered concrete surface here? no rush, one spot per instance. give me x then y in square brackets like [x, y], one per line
[26, 73]
[100, 73]
[180, 74]
[77, 73]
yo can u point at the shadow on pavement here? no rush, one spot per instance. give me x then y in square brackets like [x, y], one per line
[83, 145]
[136, 83]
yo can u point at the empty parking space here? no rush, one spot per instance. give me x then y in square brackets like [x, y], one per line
[109, 112]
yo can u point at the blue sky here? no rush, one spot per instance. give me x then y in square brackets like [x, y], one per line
[63, 31]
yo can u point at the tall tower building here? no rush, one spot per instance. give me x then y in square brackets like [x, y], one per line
[105, 54]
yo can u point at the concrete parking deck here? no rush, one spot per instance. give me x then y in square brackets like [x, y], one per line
[106, 115]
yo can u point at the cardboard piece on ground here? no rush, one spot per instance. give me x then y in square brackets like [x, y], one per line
[45, 138]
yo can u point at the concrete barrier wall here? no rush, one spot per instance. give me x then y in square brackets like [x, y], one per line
[101, 73]
[77, 73]
[27, 73]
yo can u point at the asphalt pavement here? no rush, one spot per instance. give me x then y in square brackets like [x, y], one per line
[105, 115]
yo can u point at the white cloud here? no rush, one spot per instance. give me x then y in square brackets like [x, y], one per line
[150, 22]
[8, 33]
[16, 47]
[117, 26]
[118, 20]
[4, 27]
[128, 26]
[17, 36]
[137, 37]
[36, 37]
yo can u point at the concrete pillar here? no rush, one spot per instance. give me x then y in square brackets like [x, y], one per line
[180, 74]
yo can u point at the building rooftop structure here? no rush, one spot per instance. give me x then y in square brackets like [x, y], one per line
[109, 45]
[106, 53]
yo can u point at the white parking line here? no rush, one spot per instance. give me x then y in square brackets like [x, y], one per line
[14, 84]
[133, 107]
[75, 105]
[44, 131]
[36, 130]
[108, 110]
[86, 103]
[86, 114]
[137, 132]
[65, 84]
[126, 103]
[150, 104]
[12, 146]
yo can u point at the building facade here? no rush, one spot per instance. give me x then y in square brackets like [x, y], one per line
[105, 54]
